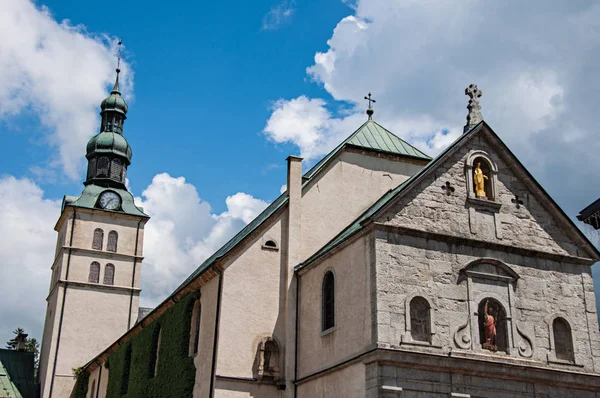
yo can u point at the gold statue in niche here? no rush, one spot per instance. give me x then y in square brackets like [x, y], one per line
[479, 181]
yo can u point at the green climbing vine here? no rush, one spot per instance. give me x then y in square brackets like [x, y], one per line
[81, 382]
[131, 371]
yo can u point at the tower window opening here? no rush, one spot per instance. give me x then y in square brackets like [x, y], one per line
[98, 239]
[109, 274]
[102, 167]
[94, 276]
[111, 244]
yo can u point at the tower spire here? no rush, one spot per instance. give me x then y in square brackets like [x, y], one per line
[370, 110]
[115, 89]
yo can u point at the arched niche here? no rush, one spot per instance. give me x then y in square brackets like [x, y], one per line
[496, 316]
[490, 170]
[493, 280]
[419, 305]
[563, 351]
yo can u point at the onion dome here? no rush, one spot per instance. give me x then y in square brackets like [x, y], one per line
[114, 102]
[108, 152]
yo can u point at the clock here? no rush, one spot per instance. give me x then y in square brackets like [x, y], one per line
[109, 200]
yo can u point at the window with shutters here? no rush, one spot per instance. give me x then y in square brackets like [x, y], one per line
[111, 244]
[94, 276]
[328, 301]
[116, 169]
[102, 167]
[109, 274]
[98, 239]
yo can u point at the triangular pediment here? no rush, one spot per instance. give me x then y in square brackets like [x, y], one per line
[516, 210]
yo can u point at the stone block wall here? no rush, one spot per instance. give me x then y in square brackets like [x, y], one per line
[410, 265]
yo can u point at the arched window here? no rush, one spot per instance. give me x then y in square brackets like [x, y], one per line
[563, 341]
[98, 239]
[493, 333]
[156, 338]
[195, 328]
[270, 245]
[111, 244]
[328, 301]
[94, 276]
[109, 274]
[420, 319]
[116, 169]
[102, 167]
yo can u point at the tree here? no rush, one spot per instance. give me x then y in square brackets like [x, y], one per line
[31, 345]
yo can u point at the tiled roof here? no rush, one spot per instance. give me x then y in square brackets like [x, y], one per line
[7, 387]
[16, 374]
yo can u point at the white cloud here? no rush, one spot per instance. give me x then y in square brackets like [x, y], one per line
[536, 63]
[27, 249]
[279, 14]
[184, 231]
[58, 70]
[181, 234]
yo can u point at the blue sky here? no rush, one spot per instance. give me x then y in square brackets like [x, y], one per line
[221, 93]
[205, 78]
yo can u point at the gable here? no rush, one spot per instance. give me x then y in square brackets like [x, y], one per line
[443, 200]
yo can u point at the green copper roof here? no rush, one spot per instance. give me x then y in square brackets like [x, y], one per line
[89, 198]
[358, 224]
[111, 143]
[16, 374]
[372, 136]
[7, 387]
[114, 102]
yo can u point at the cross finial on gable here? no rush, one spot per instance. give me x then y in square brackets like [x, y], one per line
[370, 109]
[474, 108]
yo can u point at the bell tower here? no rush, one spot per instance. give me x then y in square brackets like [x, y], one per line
[95, 285]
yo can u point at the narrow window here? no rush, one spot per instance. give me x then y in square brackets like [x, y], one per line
[98, 239]
[195, 328]
[156, 338]
[420, 319]
[94, 272]
[116, 169]
[328, 299]
[109, 274]
[563, 342]
[93, 393]
[111, 244]
[102, 167]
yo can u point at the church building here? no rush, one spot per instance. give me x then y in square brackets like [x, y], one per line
[379, 272]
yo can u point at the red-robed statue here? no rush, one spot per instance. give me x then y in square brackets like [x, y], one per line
[489, 326]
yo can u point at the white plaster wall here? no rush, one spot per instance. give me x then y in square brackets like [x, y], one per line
[81, 261]
[100, 373]
[203, 360]
[245, 389]
[349, 185]
[49, 340]
[352, 332]
[346, 382]
[250, 304]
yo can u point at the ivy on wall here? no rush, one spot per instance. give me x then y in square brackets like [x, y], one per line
[81, 384]
[131, 367]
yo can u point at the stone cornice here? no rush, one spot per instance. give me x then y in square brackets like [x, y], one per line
[64, 283]
[486, 244]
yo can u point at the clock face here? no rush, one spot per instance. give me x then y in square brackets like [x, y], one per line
[110, 200]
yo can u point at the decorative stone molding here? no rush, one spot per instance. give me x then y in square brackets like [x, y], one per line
[462, 337]
[407, 337]
[525, 345]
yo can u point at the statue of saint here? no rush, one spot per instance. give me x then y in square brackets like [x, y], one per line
[478, 180]
[489, 326]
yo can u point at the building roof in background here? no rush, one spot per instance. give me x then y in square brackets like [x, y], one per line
[16, 374]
